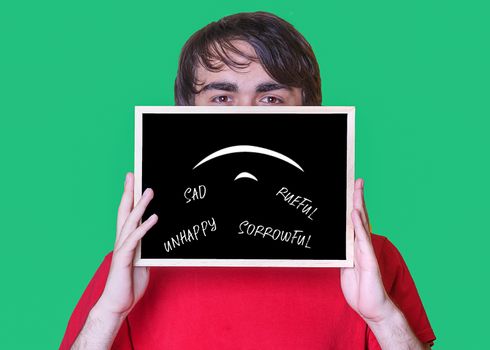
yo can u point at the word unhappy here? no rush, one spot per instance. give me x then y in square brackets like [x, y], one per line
[190, 234]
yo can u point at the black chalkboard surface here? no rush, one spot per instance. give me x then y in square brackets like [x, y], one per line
[246, 186]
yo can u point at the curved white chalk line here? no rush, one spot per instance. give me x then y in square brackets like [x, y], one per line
[249, 149]
[245, 175]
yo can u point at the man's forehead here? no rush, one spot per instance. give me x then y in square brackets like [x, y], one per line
[224, 72]
[247, 74]
[251, 76]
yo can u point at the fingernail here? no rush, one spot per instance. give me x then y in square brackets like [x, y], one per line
[362, 183]
[126, 180]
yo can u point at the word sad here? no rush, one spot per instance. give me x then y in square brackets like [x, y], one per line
[193, 194]
[191, 234]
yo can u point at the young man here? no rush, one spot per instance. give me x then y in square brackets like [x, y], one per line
[248, 59]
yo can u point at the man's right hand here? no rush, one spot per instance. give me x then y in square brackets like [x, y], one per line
[126, 283]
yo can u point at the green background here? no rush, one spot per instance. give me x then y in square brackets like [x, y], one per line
[72, 72]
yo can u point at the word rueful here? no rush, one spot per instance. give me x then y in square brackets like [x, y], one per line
[300, 203]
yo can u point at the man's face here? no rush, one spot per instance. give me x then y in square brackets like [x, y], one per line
[250, 86]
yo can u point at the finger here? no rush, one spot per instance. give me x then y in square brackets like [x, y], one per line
[126, 204]
[359, 202]
[365, 209]
[132, 239]
[124, 253]
[361, 238]
[363, 249]
[359, 229]
[135, 216]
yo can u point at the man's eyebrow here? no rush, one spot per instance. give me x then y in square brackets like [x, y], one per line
[225, 86]
[265, 87]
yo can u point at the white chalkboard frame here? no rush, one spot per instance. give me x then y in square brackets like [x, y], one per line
[349, 110]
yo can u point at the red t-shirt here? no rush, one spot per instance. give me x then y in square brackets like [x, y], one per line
[253, 308]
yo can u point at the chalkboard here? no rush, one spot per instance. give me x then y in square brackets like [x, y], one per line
[246, 186]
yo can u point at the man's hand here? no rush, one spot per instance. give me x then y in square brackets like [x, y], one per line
[125, 283]
[363, 286]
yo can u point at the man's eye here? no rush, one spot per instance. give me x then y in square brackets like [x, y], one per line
[271, 100]
[221, 99]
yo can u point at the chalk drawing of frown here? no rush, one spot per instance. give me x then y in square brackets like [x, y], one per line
[247, 178]
[242, 183]
[248, 149]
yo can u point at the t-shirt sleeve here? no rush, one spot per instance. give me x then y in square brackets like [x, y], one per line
[401, 288]
[88, 299]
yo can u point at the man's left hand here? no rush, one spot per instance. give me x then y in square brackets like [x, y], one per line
[362, 285]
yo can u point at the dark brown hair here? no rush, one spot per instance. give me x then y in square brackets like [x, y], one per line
[281, 50]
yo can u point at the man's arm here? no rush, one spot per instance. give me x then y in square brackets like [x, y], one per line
[125, 283]
[364, 291]
[394, 332]
[99, 330]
